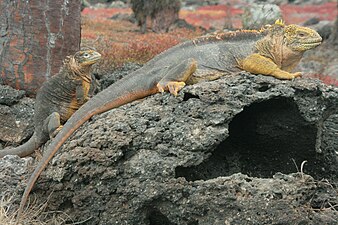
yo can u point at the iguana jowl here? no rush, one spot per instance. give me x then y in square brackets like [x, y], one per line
[272, 51]
[57, 99]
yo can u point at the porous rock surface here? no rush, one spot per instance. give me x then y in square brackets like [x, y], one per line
[221, 152]
[167, 160]
[12, 170]
[16, 116]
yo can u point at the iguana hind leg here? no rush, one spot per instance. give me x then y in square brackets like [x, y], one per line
[52, 124]
[175, 78]
[258, 64]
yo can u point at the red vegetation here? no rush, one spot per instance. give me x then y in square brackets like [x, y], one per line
[121, 41]
[135, 48]
[103, 13]
[326, 79]
[213, 16]
[300, 13]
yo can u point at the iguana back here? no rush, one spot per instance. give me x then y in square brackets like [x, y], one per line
[212, 53]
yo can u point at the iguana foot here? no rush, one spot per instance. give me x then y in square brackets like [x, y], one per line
[172, 86]
[297, 74]
[176, 77]
[55, 132]
[281, 74]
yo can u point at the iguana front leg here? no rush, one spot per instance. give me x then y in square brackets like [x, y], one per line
[176, 77]
[82, 90]
[52, 124]
[259, 64]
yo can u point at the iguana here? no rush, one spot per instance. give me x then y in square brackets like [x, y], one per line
[274, 51]
[57, 99]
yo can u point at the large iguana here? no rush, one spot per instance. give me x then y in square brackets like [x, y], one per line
[57, 99]
[272, 51]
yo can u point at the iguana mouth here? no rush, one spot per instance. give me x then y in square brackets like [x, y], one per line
[311, 44]
[314, 41]
[93, 59]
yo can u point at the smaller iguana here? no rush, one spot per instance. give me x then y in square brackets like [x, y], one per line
[272, 51]
[57, 99]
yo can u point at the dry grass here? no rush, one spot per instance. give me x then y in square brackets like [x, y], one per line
[328, 203]
[33, 214]
[5, 206]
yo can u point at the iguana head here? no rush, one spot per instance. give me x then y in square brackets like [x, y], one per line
[86, 57]
[298, 38]
[301, 38]
[80, 63]
[285, 44]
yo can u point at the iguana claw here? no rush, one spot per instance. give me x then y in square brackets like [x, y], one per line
[55, 132]
[297, 74]
[172, 86]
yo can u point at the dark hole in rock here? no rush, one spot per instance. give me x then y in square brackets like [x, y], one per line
[66, 204]
[187, 96]
[264, 88]
[265, 138]
[155, 217]
[194, 222]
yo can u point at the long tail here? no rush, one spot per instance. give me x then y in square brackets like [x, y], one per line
[23, 150]
[106, 100]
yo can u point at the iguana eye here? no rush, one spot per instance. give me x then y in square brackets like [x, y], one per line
[86, 55]
[301, 34]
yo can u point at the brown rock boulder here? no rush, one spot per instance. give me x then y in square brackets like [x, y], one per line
[35, 36]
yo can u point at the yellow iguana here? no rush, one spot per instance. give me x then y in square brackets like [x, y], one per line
[57, 99]
[272, 51]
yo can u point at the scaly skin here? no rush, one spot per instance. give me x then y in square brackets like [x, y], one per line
[57, 99]
[272, 51]
[280, 51]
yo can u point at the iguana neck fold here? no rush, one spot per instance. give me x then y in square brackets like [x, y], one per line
[73, 70]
